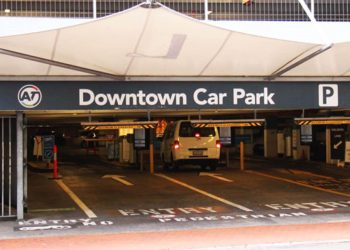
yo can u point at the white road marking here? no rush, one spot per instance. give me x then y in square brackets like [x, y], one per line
[76, 199]
[204, 193]
[119, 179]
[216, 176]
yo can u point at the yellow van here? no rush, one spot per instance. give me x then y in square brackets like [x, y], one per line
[185, 144]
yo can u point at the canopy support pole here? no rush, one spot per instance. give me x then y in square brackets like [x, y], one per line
[282, 70]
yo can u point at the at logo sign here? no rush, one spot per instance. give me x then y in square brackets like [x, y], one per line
[29, 96]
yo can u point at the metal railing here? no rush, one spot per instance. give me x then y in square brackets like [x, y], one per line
[8, 166]
[259, 10]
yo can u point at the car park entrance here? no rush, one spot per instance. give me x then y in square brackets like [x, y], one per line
[105, 133]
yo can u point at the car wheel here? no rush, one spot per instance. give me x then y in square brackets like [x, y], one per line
[165, 164]
[173, 165]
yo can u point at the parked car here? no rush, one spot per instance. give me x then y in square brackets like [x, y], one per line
[185, 144]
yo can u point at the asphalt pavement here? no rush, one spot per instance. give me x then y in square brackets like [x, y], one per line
[97, 197]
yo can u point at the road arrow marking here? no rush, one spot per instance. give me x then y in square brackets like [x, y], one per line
[336, 146]
[119, 179]
[216, 176]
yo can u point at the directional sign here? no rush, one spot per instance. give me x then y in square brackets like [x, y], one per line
[119, 179]
[48, 144]
[216, 176]
[337, 145]
[337, 142]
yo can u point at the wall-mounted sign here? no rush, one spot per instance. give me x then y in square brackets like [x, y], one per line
[306, 134]
[225, 136]
[53, 95]
[140, 138]
[337, 142]
[48, 144]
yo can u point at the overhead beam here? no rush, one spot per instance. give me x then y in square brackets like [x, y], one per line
[60, 64]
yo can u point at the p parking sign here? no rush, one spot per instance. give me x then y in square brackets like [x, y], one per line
[328, 95]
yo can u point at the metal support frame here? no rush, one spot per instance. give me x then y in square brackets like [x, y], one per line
[20, 182]
[94, 9]
[8, 173]
[309, 13]
[285, 69]
[206, 10]
[60, 64]
[2, 182]
[25, 164]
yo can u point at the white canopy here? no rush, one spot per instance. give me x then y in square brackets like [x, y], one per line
[156, 41]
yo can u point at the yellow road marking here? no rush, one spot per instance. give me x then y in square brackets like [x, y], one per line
[310, 174]
[300, 184]
[204, 193]
[76, 199]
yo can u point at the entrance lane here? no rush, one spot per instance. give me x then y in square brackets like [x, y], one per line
[154, 201]
[148, 194]
[46, 199]
[271, 199]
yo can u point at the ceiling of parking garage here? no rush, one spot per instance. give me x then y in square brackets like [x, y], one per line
[159, 42]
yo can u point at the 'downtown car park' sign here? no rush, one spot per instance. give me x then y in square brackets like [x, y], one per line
[171, 95]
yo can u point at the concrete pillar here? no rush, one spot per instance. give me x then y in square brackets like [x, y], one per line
[329, 159]
[270, 138]
[270, 143]
[296, 143]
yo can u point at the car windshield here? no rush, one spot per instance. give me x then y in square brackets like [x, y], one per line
[187, 130]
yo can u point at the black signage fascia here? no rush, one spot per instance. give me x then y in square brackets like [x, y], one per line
[128, 95]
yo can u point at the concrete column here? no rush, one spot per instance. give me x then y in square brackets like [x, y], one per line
[296, 143]
[328, 147]
[270, 143]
